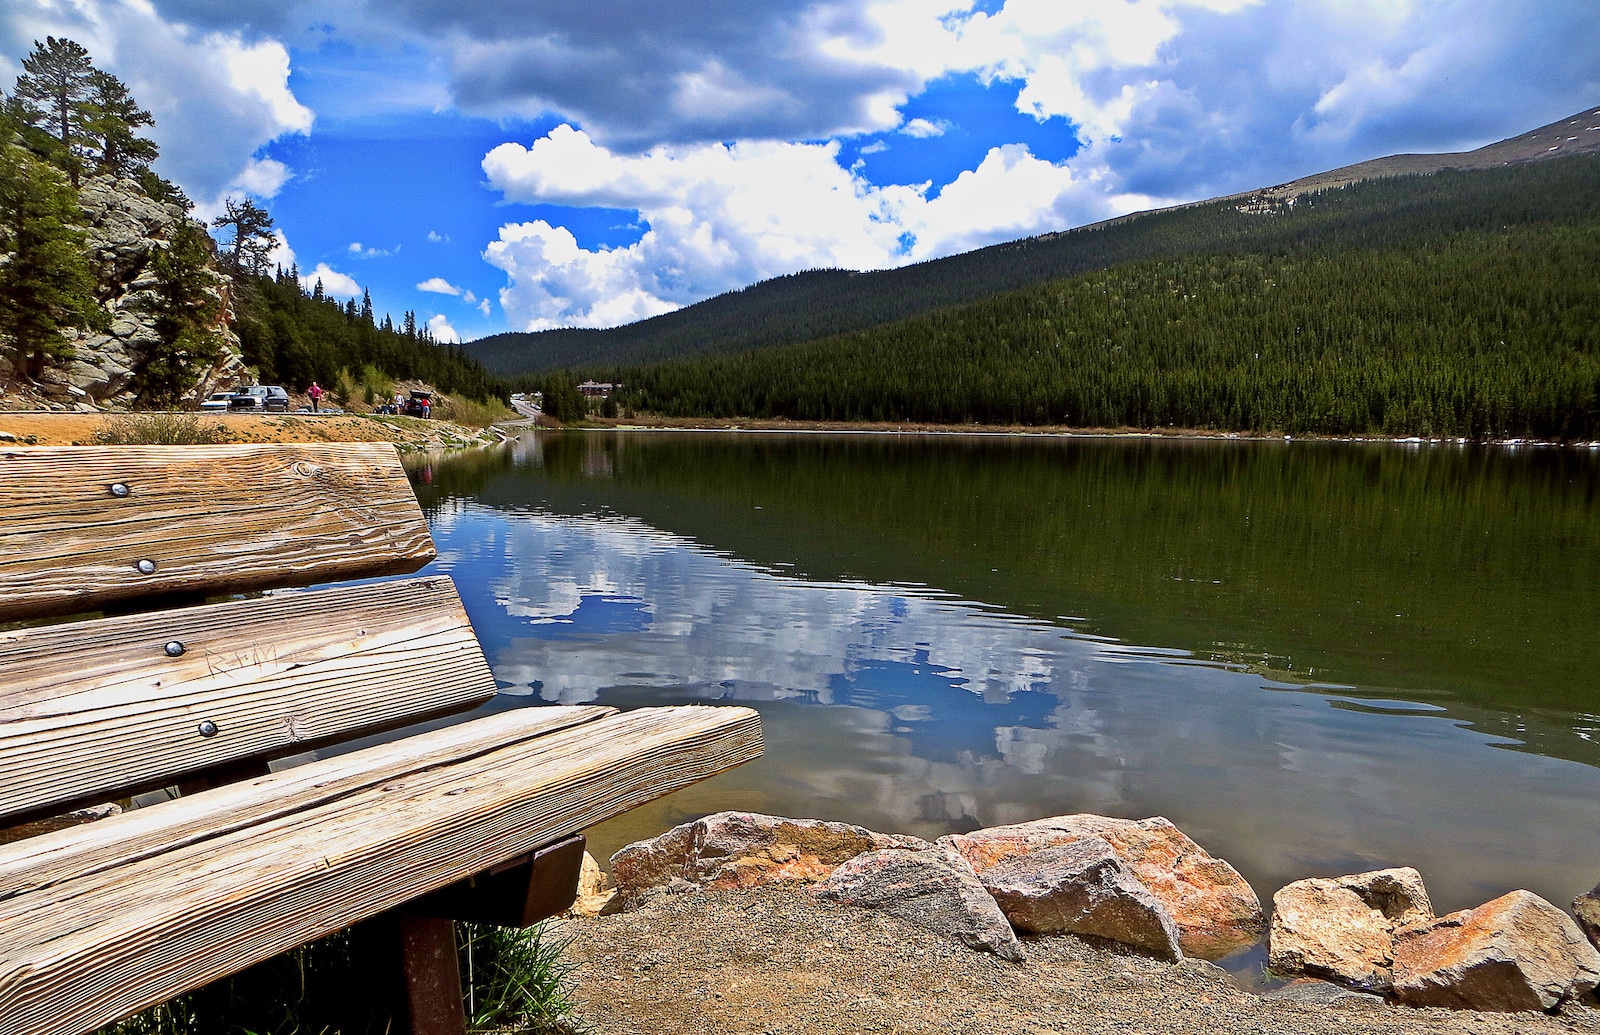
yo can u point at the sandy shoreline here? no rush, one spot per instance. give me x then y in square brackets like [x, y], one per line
[778, 961]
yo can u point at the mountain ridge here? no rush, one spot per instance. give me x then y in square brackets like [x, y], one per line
[820, 303]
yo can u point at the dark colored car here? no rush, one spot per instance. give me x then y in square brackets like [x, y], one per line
[259, 399]
[420, 404]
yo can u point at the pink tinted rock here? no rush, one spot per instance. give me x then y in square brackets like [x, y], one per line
[1215, 909]
[1518, 952]
[1081, 888]
[1342, 928]
[746, 849]
[934, 889]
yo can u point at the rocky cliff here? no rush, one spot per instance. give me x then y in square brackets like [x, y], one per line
[126, 231]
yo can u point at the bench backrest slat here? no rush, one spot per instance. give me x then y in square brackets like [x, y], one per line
[86, 527]
[103, 707]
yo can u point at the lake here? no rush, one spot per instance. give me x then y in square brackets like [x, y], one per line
[1315, 658]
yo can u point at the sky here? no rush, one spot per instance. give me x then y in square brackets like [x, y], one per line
[527, 164]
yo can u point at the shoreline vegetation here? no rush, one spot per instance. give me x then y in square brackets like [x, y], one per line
[655, 422]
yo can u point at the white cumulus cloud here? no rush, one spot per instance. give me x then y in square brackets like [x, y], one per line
[442, 331]
[334, 283]
[439, 286]
[723, 216]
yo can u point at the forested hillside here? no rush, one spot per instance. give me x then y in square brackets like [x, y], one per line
[1461, 303]
[818, 303]
[293, 338]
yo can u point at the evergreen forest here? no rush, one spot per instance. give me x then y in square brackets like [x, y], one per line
[293, 337]
[1452, 304]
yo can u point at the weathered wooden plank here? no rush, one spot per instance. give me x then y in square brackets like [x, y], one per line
[87, 951]
[84, 527]
[76, 852]
[91, 708]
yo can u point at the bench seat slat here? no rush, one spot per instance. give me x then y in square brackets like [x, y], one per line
[92, 708]
[87, 951]
[211, 519]
[77, 852]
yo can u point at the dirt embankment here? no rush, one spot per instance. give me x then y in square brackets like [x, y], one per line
[411, 434]
[777, 961]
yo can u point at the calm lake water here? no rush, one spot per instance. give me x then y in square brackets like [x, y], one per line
[1315, 658]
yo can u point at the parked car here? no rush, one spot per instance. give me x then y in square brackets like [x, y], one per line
[216, 401]
[420, 404]
[259, 399]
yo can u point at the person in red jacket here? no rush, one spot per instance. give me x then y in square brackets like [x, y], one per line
[315, 391]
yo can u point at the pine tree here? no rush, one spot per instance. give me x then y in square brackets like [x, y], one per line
[45, 284]
[411, 325]
[316, 292]
[57, 87]
[187, 309]
[250, 238]
[113, 120]
[366, 307]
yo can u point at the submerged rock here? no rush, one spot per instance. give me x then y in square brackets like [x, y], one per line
[1081, 888]
[1214, 909]
[746, 849]
[1518, 952]
[935, 889]
[1342, 929]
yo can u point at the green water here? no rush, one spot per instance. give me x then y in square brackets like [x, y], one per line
[1314, 657]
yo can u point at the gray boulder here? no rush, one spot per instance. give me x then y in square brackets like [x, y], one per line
[1216, 911]
[1342, 929]
[934, 889]
[744, 850]
[1081, 888]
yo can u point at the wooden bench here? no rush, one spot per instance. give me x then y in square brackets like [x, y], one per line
[474, 820]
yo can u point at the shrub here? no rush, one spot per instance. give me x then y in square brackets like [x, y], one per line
[161, 429]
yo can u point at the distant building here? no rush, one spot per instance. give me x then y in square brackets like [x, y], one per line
[597, 389]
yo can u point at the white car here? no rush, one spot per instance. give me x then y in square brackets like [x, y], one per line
[217, 401]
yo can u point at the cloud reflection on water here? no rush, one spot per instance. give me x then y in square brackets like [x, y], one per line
[905, 709]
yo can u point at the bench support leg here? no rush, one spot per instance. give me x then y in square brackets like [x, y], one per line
[433, 976]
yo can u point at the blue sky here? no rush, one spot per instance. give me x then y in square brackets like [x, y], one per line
[530, 163]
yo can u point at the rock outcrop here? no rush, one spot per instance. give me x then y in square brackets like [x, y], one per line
[1215, 910]
[1515, 953]
[1081, 888]
[934, 888]
[746, 849]
[126, 230]
[1342, 929]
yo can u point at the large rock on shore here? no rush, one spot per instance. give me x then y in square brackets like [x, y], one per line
[1081, 888]
[934, 889]
[1342, 929]
[1518, 952]
[1214, 908]
[1586, 908]
[744, 850]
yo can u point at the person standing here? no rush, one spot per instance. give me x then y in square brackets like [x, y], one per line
[315, 391]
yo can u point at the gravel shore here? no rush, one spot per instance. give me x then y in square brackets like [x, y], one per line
[774, 961]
